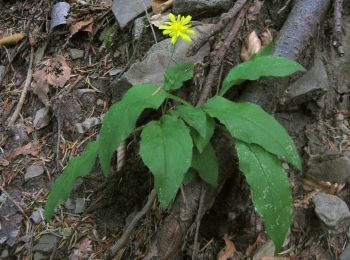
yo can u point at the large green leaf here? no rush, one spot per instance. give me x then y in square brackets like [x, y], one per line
[121, 118]
[198, 120]
[260, 66]
[270, 189]
[206, 164]
[77, 167]
[166, 149]
[176, 75]
[251, 124]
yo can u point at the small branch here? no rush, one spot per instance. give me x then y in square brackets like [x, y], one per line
[24, 90]
[121, 152]
[219, 57]
[126, 234]
[225, 19]
[338, 23]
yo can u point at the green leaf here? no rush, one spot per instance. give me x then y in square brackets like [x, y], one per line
[206, 164]
[251, 124]
[176, 75]
[268, 50]
[121, 118]
[77, 167]
[199, 121]
[270, 189]
[166, 149]
[260, 66]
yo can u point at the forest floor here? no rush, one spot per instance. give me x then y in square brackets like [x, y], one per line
[88, 58]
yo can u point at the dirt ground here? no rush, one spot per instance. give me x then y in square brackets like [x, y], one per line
[93, 219]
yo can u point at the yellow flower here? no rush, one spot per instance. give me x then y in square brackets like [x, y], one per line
[178, 27]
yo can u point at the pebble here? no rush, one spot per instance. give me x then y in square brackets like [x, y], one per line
[42, 118]
[266, 250]
[79, 205]
[76, 53]
[37, 216]
[331, 209]
[46, 244]
[33, 171]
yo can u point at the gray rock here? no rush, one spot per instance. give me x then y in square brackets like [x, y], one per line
[37, 216]
[87, 124]
[39, 256]
[310, 87]
[198, 8]
[139, 27]
[33, 171]
[4, 254]
[69, 204]
[266, 250]
[42, 118]
[46, 244]
[76, 53]
[126, 11]
[152, 68]
[79, 205]
[331, 209]
[345, 255]
[333, 168]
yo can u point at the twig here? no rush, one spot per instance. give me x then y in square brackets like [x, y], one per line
[121, 152]
[123, 239]
[149, 21]
[198, 222]
[219, 57]
[224, 21]
[13, 201]
[24, 90]
[284, 7]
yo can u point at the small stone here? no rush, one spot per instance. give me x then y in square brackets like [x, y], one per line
[69, 204]
[33, 171]
[76, 53]
[46, 244]
[126, 11]
[331, 209]
[266, 250]
[114, 72]
[37, 216]
[87, 124]
[345, 255]
[42, 118]
[79, 205]
[4, 254]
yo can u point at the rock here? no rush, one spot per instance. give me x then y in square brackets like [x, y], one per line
[152, 68]
[42, 118]
[310, 87]
[46, 244]
[331, 209]
[198, 8]
[76, 53]
[69, 204]
[87, 124]
[139, 27]
[79, 205]
[266, 250]
[114, 72]
[4, 254]
[39, 256]
[33, 171]
[126, 11]
[37, 216]
[333, 168]
[345, 255]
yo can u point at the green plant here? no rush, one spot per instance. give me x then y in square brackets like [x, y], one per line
[180, 141]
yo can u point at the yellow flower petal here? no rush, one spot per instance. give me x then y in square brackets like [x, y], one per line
[185, 37]
[172, 17]
[173, 39]
[186, 20]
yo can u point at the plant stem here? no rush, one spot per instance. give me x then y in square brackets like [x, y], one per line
[178, 99]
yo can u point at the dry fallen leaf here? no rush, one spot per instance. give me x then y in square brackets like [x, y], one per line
[266, 37]
[251, 46]
[53, 71]
[312, 183]
[83, 250]
[12, 39]
[158, 19]
[159, 6]
[85, 25]
[228, 251]
[30, 148]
